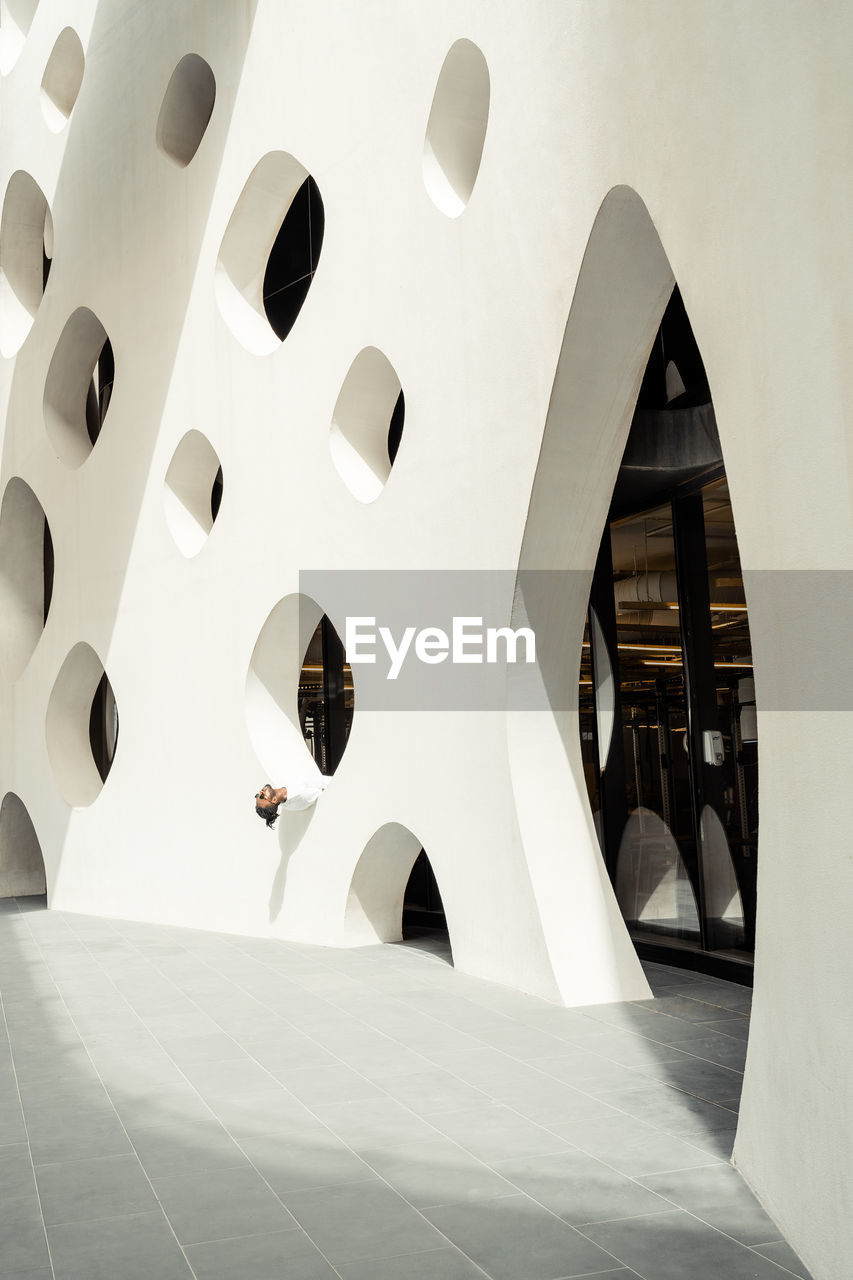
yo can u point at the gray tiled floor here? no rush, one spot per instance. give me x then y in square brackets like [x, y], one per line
[178, 1104]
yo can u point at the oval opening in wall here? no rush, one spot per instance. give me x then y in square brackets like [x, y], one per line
[26, 249]
[81, 727]
[26, 576]
[62, 79]
[367, 424]
[192, 492]
[78, 388]
[269, 252]
[16, 18]
[299, 696]
[456, 130]
[186, 110]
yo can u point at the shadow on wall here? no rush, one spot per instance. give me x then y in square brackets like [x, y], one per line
[291, 832]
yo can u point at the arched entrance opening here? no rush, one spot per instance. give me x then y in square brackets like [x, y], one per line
[21, 863]
[623, 290]
[422, 904]
[394, 895]
[666, 696]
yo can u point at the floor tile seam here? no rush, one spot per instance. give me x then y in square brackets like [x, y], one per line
[29, 1146]
[399, 1194]
[418, 1253]
[274, 1079]
[260, 1234]
[627, 1217]
[672, 1061]
[642, 1076]
[673, 1131]
[245, 992]
[676, 1047]
[710, 1225]
[700, 1029]
[133, 1148]
[340, 1061]
[638, 1181]
[375, 1177]
[712, 1061]
[168, 978]
[263, 964]
[690, 1093]
[697, 1000]
[641, 1275]
[710, 1163]
[242, 992]
[408, 1005]
[515, 1062]
[150, 961]
[732, 1009]
[783, 1269]
[569, 1226]
[235, 1138]
[590, 1275]
[513, 1191]
[727, 1234]
[394, 1191]
[367, 1080]
[576, 1226]
[111, 1217]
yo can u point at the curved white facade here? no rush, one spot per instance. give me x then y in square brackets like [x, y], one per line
[624, 146]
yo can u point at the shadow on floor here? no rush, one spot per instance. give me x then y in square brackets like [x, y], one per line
[177, 1103]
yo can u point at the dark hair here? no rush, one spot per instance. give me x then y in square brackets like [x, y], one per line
[269, 813]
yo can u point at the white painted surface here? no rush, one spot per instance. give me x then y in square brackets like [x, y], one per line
[730, 122]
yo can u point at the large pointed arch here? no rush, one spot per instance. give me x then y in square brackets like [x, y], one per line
[374, 910]
[624, 284]
[22, 873]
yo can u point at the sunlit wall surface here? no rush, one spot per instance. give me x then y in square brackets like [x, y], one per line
[212, 217]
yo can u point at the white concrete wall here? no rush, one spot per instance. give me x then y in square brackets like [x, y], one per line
[731, 123]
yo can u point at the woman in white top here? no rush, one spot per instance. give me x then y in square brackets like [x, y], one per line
[301, 794]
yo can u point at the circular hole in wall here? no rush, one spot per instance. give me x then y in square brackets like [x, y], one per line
[296, 699]
[21, 862]
[62, 78]
[78, 388]
[26, 576]
[26, 249]
[456, 129]
[367, 424]
[269, 252]
[186, 110]
[16, 18]
[192, 492]
[81, 726]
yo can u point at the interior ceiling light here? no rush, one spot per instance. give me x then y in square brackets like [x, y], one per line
[636, 606]
[677, 662]
[645, 648]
